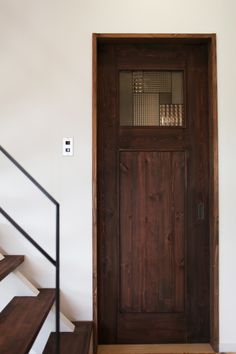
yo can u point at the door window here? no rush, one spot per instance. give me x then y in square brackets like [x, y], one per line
[151, 98]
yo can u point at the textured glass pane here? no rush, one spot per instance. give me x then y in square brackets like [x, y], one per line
[171, 114]
[151, 98]
[146, 109]
[155, 81]
[165, 98]
[177, 88]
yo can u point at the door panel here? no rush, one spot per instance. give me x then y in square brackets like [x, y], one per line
[153, 242]
[151, 328]
[152, 247]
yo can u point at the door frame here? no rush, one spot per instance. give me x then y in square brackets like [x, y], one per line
[210, 40]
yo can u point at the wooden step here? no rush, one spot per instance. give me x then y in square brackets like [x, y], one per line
[77, 342]
[21, 321]
[8, 264]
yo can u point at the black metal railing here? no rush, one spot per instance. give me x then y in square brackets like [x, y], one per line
[56, 261]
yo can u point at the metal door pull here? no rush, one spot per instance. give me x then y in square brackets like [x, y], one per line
[201, 211]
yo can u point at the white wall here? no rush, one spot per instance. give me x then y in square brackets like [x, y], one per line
[45, 92]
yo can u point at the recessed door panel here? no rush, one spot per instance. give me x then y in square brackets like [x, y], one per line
[152, 239]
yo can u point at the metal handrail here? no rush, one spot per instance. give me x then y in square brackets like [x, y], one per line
[56, 261]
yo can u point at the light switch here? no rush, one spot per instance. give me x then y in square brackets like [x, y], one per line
[67, 147]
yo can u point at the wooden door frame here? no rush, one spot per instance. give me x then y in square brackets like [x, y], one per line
[210, 40]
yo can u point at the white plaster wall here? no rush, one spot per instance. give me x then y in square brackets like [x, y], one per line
[45, 94]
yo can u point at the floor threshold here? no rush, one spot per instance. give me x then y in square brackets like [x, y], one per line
[155, 349]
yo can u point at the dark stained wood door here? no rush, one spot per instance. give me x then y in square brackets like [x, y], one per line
[153, 198]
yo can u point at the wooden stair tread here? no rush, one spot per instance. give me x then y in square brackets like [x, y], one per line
[21, 320]
[8, 264]
[76, 342]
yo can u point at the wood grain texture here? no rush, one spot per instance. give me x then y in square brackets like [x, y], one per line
[8, 264]
[94, 193]
[138, 230]
[175, 140]
[156, 349]
[198, 270]
[155, 37]
[21, 321]
[152, 245]
[107, 217]
[77, 342]
[214, 202]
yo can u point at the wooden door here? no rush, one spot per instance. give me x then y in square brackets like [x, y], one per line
[153, 193]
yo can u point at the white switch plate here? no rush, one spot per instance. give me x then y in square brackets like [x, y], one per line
[67, 147]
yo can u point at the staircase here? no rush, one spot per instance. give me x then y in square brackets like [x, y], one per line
[23, 317]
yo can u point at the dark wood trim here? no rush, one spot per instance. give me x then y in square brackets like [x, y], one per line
[214, 204]
[154, 35]
[94, 193]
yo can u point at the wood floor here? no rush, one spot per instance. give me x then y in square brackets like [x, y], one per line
[155, 349]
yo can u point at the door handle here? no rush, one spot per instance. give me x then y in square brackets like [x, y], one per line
[201, 211]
